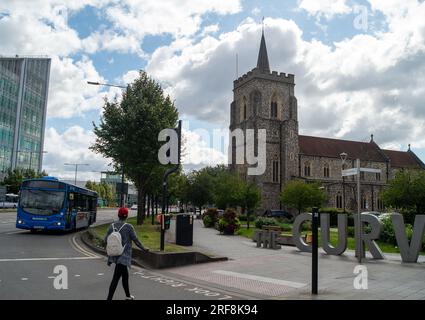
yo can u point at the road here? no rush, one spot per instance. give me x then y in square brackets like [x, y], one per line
[28, 261]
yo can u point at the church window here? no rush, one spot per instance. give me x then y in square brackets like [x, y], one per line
[326, 170]
[362, 176]
[339, 200]
[307, 169]
[378, 176]
[291, 156]
[380, 204]
[275, 171]
[244, 111]
[363, 202]
[274, 110]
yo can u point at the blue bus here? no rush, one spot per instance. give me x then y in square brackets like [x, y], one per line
[49, 204]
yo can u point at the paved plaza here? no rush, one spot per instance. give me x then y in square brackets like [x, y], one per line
[286, 273]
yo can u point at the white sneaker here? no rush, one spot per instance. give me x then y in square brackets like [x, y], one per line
[130, 298]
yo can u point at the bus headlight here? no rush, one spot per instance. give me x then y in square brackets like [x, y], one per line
[19, 221]
[58, 223]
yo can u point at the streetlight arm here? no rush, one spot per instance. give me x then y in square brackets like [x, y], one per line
[105, 84]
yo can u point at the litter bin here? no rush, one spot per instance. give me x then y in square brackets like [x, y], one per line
[184, 229]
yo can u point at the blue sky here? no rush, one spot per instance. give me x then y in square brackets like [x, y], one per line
[352, 61]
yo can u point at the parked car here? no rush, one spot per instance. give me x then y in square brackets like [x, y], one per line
[375, 213]
[278, 214]
[133, 207]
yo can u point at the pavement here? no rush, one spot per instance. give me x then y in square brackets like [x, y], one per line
[28, 262]
[286, 273]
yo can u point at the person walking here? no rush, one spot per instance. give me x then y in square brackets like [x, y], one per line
[123, 261]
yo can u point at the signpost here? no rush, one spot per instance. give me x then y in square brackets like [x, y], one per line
[315, 249]
[353, 172]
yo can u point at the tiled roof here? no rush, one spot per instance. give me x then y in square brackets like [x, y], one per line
[326, 147]
[402, 159]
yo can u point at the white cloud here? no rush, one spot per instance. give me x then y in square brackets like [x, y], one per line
[178, 18]
[199, 151]
[361, 85]
[69, 93]
[72, 147]
[324, 8]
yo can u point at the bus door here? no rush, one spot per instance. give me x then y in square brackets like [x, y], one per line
[83, 213]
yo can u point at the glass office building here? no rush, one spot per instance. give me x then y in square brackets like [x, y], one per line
[24, 83]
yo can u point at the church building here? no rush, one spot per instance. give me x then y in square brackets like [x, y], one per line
[265, 99]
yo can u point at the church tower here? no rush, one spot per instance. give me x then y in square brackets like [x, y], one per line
[265, 100]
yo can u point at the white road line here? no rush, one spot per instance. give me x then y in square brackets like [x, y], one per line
[292, 284]
[82, 250]
[100, 274]
[48, 259]
[15, 232]
[24, 279]
[77, 275]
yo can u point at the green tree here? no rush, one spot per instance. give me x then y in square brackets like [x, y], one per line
[406, 191]
[128, 132]
[228, 190]
[300, 195]
[200, 188]
[15, 177]
[251, 198]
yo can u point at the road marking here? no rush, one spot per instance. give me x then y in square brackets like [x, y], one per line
[48, 259]
[15, 232]
[292, 284]
[77, 275]
[51, 277]
[81, 249]
[24, 279]
[100, 274]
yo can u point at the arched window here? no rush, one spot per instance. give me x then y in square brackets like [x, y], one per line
[363, 202]
[326, 170]
[339, 200]
[307, 169]
[273, 109]
[244, 109]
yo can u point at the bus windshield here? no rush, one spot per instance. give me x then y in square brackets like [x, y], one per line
[42, 202]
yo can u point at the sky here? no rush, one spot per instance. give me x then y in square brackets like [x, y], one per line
[359, 66]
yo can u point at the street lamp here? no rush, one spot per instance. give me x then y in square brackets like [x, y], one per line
[95, 83]
[76, 168]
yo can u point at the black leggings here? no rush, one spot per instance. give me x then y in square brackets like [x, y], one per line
[120, 271]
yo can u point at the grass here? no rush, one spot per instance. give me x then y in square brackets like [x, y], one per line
[385, 247]
[147, 233]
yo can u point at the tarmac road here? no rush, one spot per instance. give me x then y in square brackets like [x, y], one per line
[27, 263]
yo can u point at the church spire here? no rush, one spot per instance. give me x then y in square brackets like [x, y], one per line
[263, 59]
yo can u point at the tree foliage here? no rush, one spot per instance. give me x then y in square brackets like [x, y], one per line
[128, 133]
[104, 190]
[15, 177]
[406, 191]
[300, 195]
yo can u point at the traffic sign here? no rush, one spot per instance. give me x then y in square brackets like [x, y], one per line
[349, 172]
[370, 170]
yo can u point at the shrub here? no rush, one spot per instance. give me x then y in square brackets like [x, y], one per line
[351, 231]
[210, 218]
[243, 217]
[264, 221]
[229, 222]
[388, 234]
[306, 226]
[286, 227]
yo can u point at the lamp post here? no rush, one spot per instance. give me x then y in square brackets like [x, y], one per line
[76, 168]
[95, 83]
[358, 233]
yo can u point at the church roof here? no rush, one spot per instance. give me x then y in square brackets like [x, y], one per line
[366, 151]
[263, 59]
[402, 159]
[326, 147]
